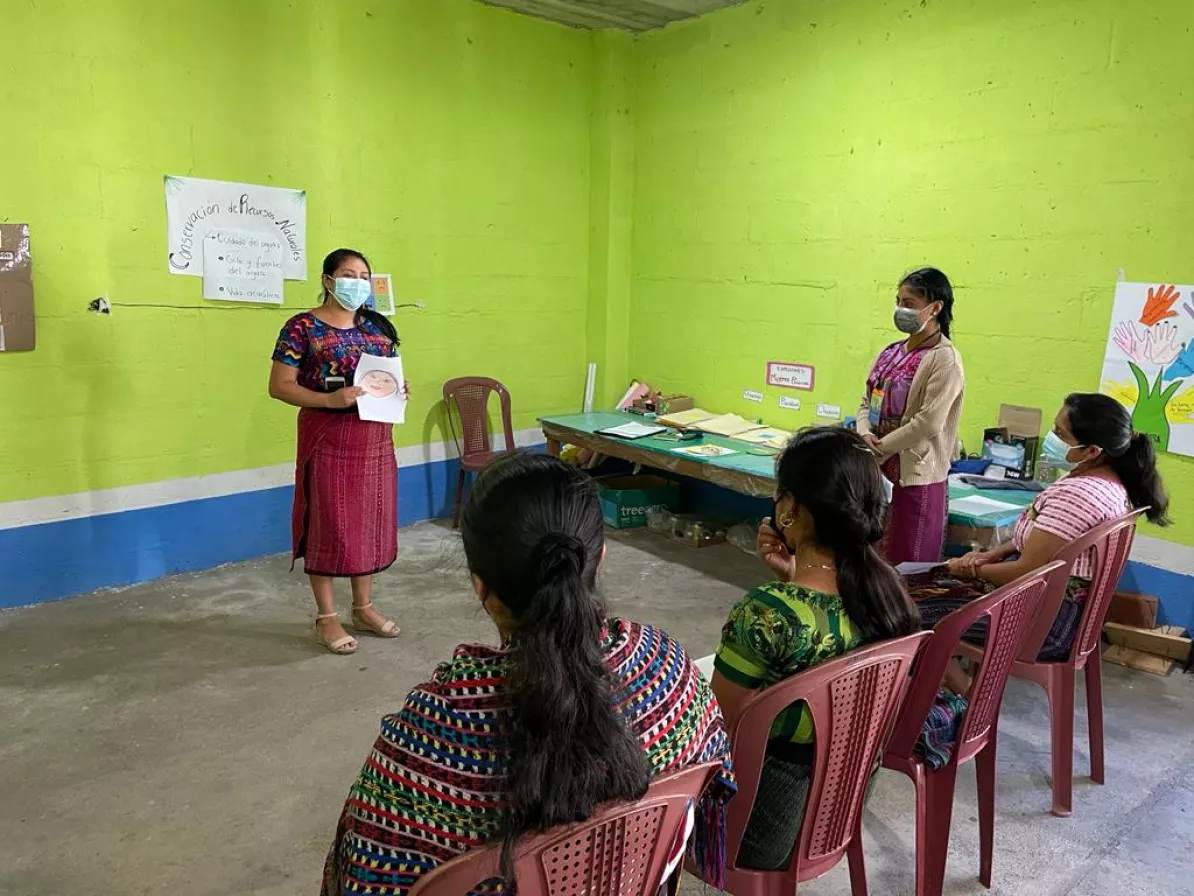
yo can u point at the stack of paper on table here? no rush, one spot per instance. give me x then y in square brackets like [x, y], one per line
[685, 419]
[705, 451]
[632, 430]
[770, 438]
[726, 425]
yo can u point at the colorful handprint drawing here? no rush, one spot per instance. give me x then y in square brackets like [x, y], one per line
[1157, 344]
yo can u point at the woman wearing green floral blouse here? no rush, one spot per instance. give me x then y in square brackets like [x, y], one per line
[835, 593]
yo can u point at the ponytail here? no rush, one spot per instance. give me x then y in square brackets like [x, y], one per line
[1103, 422]
[1137, 471]
[873, 594]
[533, 535]
[380, 321]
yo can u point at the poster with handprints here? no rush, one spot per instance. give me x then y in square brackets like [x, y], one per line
[1149, 363]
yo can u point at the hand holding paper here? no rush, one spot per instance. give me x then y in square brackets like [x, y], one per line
[384, 388]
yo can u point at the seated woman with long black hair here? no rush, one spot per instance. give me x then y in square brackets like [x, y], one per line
[834, 594]
[572, 711]
[1112, 470]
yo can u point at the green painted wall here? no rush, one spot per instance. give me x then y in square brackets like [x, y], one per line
[794, 159]
[448, 140]
[683, 207]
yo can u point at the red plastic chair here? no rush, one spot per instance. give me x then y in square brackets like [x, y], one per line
[1012, 610]
[853, 700]
[471, 395]
[623, 850]
[1112, 543]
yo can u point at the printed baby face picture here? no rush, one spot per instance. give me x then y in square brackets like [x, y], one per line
[379, 383]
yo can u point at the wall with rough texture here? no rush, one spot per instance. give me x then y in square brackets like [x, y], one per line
[448, 140]
[794, 160]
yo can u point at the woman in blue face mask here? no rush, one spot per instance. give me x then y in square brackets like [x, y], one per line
[1112, 470]
[344, 523]
[909, 416]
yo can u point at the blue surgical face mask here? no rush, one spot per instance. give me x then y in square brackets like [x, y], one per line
[352, 292]
[1055, 451]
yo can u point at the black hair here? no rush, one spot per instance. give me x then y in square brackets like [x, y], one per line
[933, 286]
[533, 534]
[1102, 421]
[331, 264]
[835, 477]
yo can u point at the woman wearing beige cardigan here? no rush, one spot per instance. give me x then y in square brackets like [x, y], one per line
[909, 416]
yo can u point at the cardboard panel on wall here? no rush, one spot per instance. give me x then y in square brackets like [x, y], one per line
[16, 289]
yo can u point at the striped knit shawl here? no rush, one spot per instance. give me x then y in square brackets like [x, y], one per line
[433, 785]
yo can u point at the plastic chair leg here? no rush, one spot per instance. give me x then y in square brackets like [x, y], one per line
[459, 498]
[857, 860]
[934, 812]
[1061, 728]
[1094, 715]
[984, 768]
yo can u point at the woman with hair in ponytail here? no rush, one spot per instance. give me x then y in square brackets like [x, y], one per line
[909, 416]
[573, 710]
[1112, 470]
[345, 519]
[835, 593]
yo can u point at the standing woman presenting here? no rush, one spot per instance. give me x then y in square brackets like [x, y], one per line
[345, 519]
[909, 417]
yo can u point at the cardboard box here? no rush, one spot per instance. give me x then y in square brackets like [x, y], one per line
[1168, 641]
[1015, 442]
[16, 290]
[662, 404]
[1138, 660]
[625, 500]
[1138, 610]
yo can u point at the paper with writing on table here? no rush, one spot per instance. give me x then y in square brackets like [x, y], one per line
[915, 569]
[384, 400]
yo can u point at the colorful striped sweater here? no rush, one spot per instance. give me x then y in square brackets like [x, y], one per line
[432, 787]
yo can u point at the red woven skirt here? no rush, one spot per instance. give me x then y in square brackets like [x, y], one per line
[916, 523]
[345, 519]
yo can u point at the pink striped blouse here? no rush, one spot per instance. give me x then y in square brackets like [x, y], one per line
[1071, 507]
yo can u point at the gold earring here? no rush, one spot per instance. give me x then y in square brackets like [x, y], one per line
[786, 520]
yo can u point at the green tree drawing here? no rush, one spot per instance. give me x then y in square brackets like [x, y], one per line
[1148, 416]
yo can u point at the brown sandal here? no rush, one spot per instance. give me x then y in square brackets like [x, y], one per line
[342, 646]
[389, 630]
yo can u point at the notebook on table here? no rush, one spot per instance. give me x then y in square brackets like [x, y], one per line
[727, 425]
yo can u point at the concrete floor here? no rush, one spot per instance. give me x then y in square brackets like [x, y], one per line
[189, 737]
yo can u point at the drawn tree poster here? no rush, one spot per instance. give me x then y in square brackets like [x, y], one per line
[1149, 362]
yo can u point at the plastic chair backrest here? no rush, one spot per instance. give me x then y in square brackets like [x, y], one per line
[1112, 543]
[623, 850]
[471, 394]
[1012, 610]
[853, 700]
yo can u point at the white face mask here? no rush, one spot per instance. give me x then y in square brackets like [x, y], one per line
[352, 292]
[908, 320]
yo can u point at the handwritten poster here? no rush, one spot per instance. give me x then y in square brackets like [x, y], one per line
[242, 266]
[790, 376]
[196, 207]
[1148, 365]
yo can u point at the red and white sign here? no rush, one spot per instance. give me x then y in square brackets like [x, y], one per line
[790, 376]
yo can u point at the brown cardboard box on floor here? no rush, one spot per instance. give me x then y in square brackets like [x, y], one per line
[16, 289]
[1128, 608]
[1167, 641]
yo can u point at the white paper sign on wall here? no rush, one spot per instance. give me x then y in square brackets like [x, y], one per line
[242, 266]
[751, 395]
[829, 411]
[196, 207]
[790, 404]
[790, 376]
